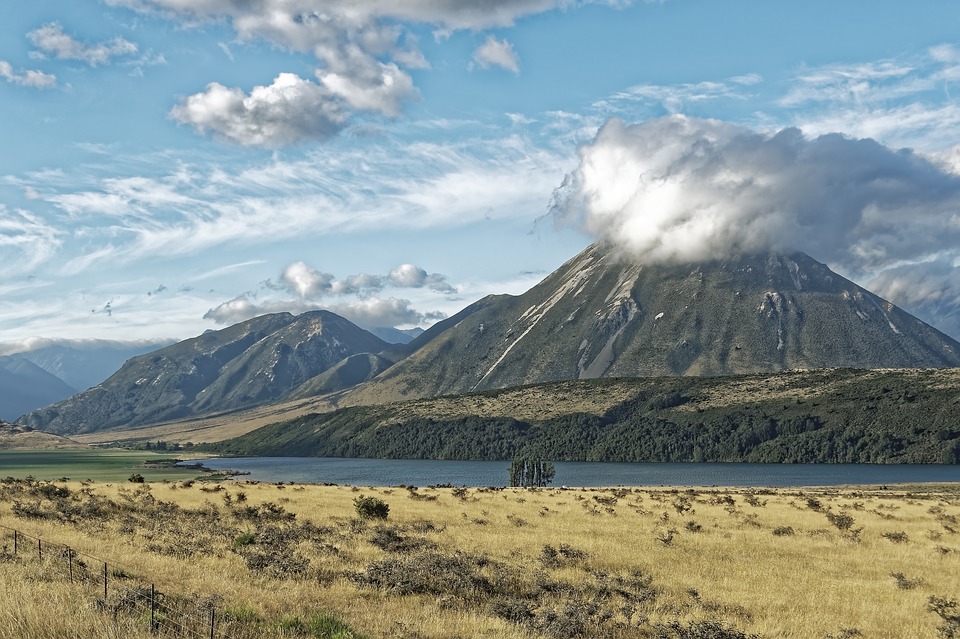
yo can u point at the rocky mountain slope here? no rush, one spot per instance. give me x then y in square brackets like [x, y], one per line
[25, 386]
[599, 316]
[247, 364]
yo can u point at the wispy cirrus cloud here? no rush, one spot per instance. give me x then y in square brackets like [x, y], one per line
[679, 98]
[902, 101]
[26, 240]
[348, 189]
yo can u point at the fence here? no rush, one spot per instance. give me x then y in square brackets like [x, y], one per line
[116, 590]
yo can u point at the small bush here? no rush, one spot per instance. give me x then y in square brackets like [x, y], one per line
[371, 507]
[244, 539]
[906, 584]
[700, 630]
[783, 531]
[896, 537]
[136, 478]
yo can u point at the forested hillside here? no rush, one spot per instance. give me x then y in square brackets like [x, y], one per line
[826, 416]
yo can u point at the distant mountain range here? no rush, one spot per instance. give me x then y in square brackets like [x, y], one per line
[25, 386]
[248, 364]
[82, 364]
[597, 316]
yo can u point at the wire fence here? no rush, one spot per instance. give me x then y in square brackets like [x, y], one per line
[116, 590]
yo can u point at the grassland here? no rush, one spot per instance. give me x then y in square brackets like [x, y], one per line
[91, 464]
[298, 561]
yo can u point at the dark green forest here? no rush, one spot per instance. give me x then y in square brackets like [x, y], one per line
[823, 417]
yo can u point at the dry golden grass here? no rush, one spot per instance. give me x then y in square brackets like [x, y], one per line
[646, 556]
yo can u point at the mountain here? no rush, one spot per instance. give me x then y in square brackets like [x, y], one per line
[247, 364]
[396, 335]
[346, 374]
[601, 316]
[24, 386]
[83, 364]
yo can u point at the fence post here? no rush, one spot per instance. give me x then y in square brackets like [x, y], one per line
[212, 621]
[40, 550]
[153, 608]
[70, 559]
[104, 583]
[15, 542]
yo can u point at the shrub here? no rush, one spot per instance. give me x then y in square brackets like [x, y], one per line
[906, 584]
[136, 478]
[699, 630]
[896, 537]
[244, 539]
[783, 531]
[371, 507]
[946, 609]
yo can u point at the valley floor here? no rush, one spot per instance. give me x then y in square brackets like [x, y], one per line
[282, 560]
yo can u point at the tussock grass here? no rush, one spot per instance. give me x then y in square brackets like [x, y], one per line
[288, 561]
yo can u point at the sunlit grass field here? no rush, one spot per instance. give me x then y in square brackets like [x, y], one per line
[299, 561]
[91, 464]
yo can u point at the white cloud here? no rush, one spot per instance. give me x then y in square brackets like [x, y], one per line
[26, 241]
[362, 49]
[681, 189]
[412, 276]
[497, 53]
[339, 188]
[288, 111]
[32, 78]
[900, 101]
[309, 283]
[680, 98]
[305, 281]
[368, 313]
[51, 39]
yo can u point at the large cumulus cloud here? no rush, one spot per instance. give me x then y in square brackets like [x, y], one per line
[363, 49]
[680, 189]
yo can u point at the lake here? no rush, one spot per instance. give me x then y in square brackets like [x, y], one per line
[395, 472]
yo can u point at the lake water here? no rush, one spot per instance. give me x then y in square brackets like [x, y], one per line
[395, 472]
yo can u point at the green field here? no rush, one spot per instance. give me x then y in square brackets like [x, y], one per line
[96, 465]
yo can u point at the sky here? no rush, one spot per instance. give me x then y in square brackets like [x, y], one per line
[173, 166]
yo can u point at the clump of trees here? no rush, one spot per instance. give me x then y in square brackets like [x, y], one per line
[528, 471]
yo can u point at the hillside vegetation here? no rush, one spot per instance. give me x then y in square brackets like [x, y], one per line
[824, 416]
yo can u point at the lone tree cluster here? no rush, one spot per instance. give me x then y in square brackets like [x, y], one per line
[526, 471]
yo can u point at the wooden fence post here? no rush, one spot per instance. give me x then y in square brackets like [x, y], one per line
[104, 583]
[212, 621]
[153, 608]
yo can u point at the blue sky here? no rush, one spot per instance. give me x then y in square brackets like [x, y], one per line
[170, 166]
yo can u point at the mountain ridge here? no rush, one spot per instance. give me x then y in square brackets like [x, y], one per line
[246, 364]
[600, 316]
